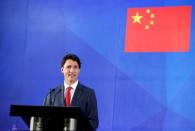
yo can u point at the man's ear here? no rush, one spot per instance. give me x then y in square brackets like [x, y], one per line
[62, 69]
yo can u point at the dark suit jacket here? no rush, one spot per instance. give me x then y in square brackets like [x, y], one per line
[84, 98]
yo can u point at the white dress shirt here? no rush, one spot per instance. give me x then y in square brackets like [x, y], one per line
[74, 85]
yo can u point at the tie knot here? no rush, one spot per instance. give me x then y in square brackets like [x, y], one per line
[68, 88]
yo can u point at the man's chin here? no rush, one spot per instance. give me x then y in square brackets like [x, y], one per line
[71, 80]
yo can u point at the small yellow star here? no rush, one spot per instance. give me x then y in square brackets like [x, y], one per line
[152, 15]
[148, 11]
[147, 27]
[151, 22]
[137, 18]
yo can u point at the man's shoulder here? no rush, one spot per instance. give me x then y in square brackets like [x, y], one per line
[84, 87]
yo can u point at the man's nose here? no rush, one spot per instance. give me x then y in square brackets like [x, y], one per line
[71, 69]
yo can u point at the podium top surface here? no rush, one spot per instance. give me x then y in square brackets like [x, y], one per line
[51, 112]
[45, 111]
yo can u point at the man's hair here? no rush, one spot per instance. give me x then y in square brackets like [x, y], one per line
[71, 57]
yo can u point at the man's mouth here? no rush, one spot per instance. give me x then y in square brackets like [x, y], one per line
[71, 75]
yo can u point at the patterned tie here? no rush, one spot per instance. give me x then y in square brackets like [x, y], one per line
[68, 96]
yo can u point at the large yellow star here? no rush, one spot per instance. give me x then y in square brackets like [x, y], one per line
[136, 18]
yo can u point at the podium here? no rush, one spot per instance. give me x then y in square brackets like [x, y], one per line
[50, 118]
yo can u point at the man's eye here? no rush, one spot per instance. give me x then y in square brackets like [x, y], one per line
[68, 67]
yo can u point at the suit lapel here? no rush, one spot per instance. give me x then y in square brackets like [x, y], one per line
[77, 95]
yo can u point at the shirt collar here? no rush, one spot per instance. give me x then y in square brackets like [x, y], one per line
[74, 85]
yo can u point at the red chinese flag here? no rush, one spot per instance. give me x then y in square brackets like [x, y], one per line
[158, 29]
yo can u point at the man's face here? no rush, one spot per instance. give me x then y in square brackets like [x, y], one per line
[71, 71]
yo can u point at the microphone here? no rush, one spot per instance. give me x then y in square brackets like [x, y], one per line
[50, 98]
[48, 101]
[56, 95]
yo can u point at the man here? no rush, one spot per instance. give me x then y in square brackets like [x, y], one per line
[79, 95]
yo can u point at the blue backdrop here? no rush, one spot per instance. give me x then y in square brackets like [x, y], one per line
[135, 91]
